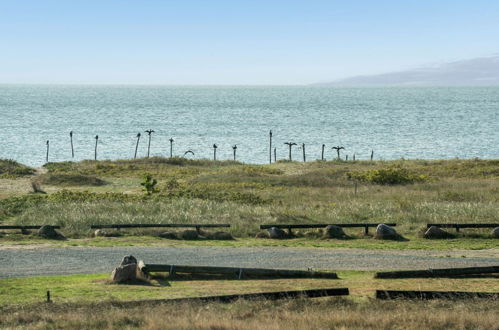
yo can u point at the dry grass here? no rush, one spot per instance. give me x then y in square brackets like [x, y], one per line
[324, 313]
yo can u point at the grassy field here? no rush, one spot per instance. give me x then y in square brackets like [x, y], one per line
[75, 298]
[409, 193]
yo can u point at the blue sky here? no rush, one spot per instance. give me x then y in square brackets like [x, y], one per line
[235, 42]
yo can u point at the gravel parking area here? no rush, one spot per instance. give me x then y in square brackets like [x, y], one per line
[19, 262]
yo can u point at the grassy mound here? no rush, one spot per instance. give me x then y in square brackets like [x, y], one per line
[11, 168]
[70, 180]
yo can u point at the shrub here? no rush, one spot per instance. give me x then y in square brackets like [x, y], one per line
[71, 180]
[149, 184]
[12, 168]
[387, 176]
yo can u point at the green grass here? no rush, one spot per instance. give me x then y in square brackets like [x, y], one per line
[12, 169]
[245, 196]
[98, 288]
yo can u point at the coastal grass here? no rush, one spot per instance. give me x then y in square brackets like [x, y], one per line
[12, 169]
[245, 196]
[91, 288]
[90, 301]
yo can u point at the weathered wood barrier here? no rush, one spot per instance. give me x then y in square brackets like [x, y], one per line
[393, 294]
[458, 226]
[235, 271]
[159, 225]
[26, 227]
[445, 272]
[323, 225]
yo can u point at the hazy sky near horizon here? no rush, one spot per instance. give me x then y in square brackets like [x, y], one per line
[235, 42]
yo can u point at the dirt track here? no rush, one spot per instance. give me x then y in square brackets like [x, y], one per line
[18, 262]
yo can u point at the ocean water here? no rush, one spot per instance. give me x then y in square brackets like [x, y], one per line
[395, 122]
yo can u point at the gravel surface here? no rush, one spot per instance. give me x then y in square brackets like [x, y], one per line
[81, 260]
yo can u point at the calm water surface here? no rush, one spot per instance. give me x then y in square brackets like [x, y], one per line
[395, 122]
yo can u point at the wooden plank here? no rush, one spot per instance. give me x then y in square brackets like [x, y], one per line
[346, 225]
[25, 227]
[445, 272]
[393, 294]
[463, 225]
[236, 271]
[159, 225]
[314, 293]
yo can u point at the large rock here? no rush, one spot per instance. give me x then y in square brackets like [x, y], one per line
[49, 232]
[128, 271]
[128, 260]
[495, 232]
[100, 233]
[435, 232]
[277, 233]
[218, 235]
[386, 232]
[168, 235]
[189, 234]
[332, 231]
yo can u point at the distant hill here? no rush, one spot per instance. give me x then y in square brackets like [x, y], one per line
[477, 71]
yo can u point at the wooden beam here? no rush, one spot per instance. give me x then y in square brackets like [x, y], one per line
[463, 225]
[25, 227]
[236, 271]
[445, 272]
[393, 294]
[159, 225]
[322, 225]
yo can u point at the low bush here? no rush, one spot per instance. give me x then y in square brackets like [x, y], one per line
[71, 180]
[11, 168]
[387, 176]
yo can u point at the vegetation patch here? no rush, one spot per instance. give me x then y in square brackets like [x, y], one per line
[70, 180]
[12, 169]
[387, 176]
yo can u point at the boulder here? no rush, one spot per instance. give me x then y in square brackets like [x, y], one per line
[277, 233]
[128, 260]
[386, 232]
[124, 273]
[168, 235]
[219, 235]
[435, 232]
[128, 271]
[495, 232]
[332, 231]
[189, 234]
[100, 233]
[262, 234]
[49, 232]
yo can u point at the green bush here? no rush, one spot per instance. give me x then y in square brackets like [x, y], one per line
[71, 180]
[387, 176]
[11, 168]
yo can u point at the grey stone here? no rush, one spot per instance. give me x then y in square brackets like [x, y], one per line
[386, 232]
[49, 232]
[168, 235]
[277, 233]
[332, 231]
[219, 235]
[189, 234]
[100, 233]
[435, 232]
[128, 260]
[262, 234]
[124, 273]
[495, 232]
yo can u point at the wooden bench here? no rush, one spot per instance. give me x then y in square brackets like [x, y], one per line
[323, 225]
[160, 225]
[24, 228]
[463, 225]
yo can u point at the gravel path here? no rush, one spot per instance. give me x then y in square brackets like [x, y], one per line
[81, 260]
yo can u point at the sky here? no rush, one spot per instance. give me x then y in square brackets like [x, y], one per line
[215, 42]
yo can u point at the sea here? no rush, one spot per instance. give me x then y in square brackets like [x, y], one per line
[389, 122]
